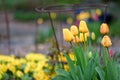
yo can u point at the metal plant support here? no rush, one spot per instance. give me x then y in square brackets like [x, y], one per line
[68, 8]
[7, 25]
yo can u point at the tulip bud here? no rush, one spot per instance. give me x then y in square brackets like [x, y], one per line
[104, 29]
[74, 30]
[76, 39]
[106, 42]
[90, 55]
[83, 37]
[83, 27]
[93, 36]
[111, 53]
[67, 35]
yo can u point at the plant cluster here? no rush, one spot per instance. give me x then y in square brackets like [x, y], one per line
[89, 63]
[31, 67]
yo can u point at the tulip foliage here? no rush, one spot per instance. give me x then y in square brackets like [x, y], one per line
[90, 63]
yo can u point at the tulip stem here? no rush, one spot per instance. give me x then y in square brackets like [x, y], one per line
[109, 58]
[84, 41]
[108, 50]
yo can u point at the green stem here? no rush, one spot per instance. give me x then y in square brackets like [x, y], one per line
[108, 50]
[109, 57]
[74, 56]
[85, 47]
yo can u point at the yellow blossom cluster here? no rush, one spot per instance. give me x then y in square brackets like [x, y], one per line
[32, 65]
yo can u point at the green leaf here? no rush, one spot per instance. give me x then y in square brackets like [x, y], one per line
[100, 73]
[104, 56]
[111, 70]
[63, 73]
[80, 57]
[79, 73]
[26, 77]
[89, 70]
[71, 66]
[59, 78]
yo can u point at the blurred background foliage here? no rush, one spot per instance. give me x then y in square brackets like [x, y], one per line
[24, 10]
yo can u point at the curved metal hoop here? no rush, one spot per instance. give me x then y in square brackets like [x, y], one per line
[68, 7]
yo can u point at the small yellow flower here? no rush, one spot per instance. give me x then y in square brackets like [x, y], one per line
[104, 29]
[40, 21]
[66, 67]
[83, 37]
[93, 36]
[106, 41]
[26, 70]
[98, 12]
[74, 30]
[72, 56]
[83, 15]
[19, 73]
[53, 15]
[76, 39]
[67, 35]
[83, 27]
[69, 20]
[11, 68]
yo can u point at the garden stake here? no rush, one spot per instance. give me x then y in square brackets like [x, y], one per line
[7, 25]
[57, 45]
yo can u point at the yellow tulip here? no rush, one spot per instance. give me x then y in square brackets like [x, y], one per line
[106, 41]
[93, 36]
[104, 29]
[74, 30]
[87, 34]
[83, 27]
[83, 37]
[67, 35]
[76, 39]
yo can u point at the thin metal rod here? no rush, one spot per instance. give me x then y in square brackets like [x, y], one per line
[51, 21]
[7, 25]
[36, 37]
[105, 13]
